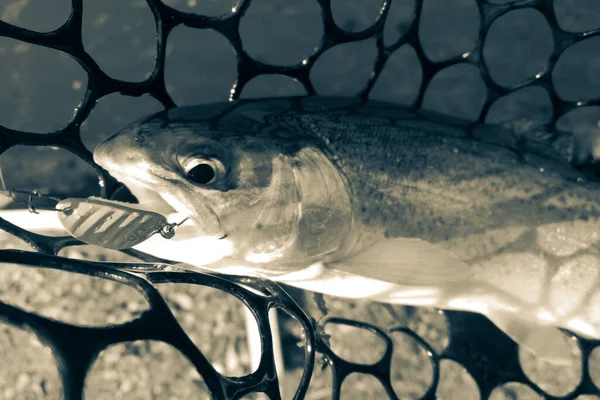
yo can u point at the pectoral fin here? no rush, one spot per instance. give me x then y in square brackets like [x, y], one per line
[406, 261]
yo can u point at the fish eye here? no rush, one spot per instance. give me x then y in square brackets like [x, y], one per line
[202, 174]
[203, 171]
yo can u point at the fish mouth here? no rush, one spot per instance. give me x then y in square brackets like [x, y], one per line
[193, 218]
[186, 224]
[189, 205]
[150, 200]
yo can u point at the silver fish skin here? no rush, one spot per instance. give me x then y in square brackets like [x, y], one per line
[370, 200]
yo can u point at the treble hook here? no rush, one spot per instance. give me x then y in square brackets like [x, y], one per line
[13, 194]
[30, 205]
[31, 195]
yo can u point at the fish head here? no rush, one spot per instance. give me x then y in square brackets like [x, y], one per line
[277, 199]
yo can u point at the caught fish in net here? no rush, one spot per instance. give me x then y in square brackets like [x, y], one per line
[81, 320]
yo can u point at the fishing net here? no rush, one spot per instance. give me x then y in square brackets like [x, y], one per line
[397, 51]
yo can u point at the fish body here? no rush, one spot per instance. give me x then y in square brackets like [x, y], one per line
[370, 200]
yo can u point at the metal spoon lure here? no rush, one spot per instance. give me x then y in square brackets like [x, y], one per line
[105, 223]
[111, 224]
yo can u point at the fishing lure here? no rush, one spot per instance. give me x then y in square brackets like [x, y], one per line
[110, 224]
[101, 222]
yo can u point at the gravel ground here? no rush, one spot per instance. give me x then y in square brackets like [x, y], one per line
[41, 87]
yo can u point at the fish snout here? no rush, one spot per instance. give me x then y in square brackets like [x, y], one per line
[102, 153]
[114, 152]
[106, 152]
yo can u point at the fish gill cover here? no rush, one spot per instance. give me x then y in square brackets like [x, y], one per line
[484, 61]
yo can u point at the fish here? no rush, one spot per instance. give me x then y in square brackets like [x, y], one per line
[368, 200]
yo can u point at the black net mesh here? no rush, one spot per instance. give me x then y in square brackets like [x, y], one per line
[491, 360]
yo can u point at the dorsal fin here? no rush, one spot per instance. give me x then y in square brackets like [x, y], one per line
[540, 143]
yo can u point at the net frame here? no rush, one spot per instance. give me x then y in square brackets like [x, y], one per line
[76, 347]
